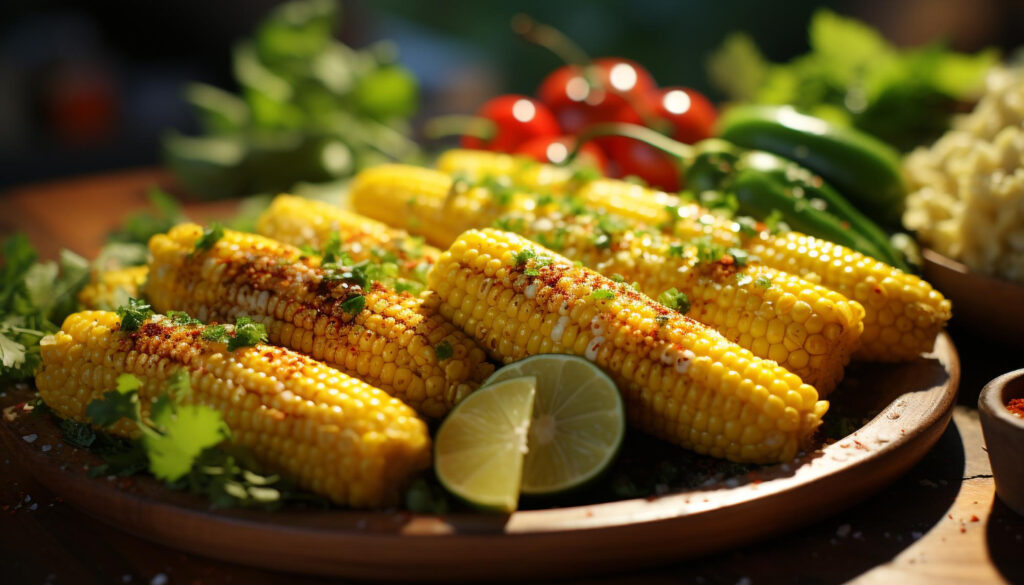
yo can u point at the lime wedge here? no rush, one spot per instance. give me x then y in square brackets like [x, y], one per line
[479, 449]
[578, 421]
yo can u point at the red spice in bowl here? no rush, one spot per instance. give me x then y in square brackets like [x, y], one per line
[1016, 406]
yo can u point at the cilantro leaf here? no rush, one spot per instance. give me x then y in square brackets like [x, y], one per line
[444, 351]
[211, 235]
[523, 256]
[187, 432]
[763, 282]
[182, 318]
[247, 334]
[675, 300]
[353, 305]
[215, 333]
[114, 406]
[743, 279]
[77, 434]
[602, 294]
[134, 314]
[708, 251]
[12, 353]
[740, 257]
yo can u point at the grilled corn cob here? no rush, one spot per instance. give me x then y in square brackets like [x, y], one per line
[394, 341]
[903, 313]
[429, 203]
[523, 172]
[804, 327]
[333, 434]
[299, 221]
[109, 289]
[681, 381]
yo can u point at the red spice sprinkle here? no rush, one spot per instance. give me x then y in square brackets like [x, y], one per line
[975, 519]
[1016, 407]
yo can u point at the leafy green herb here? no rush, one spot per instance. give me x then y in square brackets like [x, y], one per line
[121, 402]
[410, 286]
[353, 305]
[510, 224]
[544, 199]
[675, 300]
[740, 257]
[853, 76]
[708, 251]
[332, 253]
[523, 256]
[211, 235]
[763, 282]
[602, 294]
[444, 351]
[215, 333]
[743, 279]
[555, 242]
[182, 318]
[501, 189]
[618, 277]
[134, 314]
[747, 226]
[723, 202]
[77, 434]
[775, 222]
[247, 333]
[423, 497]
[676, 250]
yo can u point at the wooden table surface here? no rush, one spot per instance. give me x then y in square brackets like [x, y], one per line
[941, 523]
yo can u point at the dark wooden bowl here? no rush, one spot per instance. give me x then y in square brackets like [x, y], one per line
[989, 306]
[1004, 437]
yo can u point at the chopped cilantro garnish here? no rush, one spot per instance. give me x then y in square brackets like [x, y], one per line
[444, 351]
[182, 318]
[531, 272]
[331, 253]
[676, 250]
[573, 206]
[134, 314]
[545, 199]
[602, 294]
[618, 277]
[556, 242]
[722, 202]
[675, 300]
[353, 305]
[775, 223]
[211, 235]
[121, 402]
[77, 434]
[611, 224]
[523, 256]
[500, 188]
[743, 279]
[708, 251]
[763, 282]
[247, 333]
[747, 226]
[510, 224]
[740, 257]
[409, 286]
[217, 333]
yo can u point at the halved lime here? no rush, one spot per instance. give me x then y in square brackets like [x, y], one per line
[479, 449]
[578, 421]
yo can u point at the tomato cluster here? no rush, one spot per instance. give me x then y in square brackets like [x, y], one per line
[574, 98]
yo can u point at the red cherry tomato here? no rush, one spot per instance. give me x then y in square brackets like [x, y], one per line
[633, 157]
[691, 115]
[577, 103]
[555, 150]
[517, 119]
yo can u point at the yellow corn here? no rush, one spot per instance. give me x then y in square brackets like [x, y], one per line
[394, 341]
[903, 313]
[332, 434]
[681, 381]
[109, 289]
[804, 327]
[299, 221]
[523, 172]
[429, 203]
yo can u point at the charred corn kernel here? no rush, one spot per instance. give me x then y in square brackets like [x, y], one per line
[676, 375]
[109, 289]
[772, 313]
[306, 309]
[331, 433]
[299, 221]
[430, 203]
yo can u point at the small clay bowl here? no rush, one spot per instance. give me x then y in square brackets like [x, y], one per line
[1004, 437]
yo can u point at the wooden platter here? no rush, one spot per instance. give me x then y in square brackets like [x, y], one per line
[913, 402]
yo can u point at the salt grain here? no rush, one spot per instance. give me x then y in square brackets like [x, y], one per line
[158, 579]
[30, 438]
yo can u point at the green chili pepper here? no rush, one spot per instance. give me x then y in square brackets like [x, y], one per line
[860, 166]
